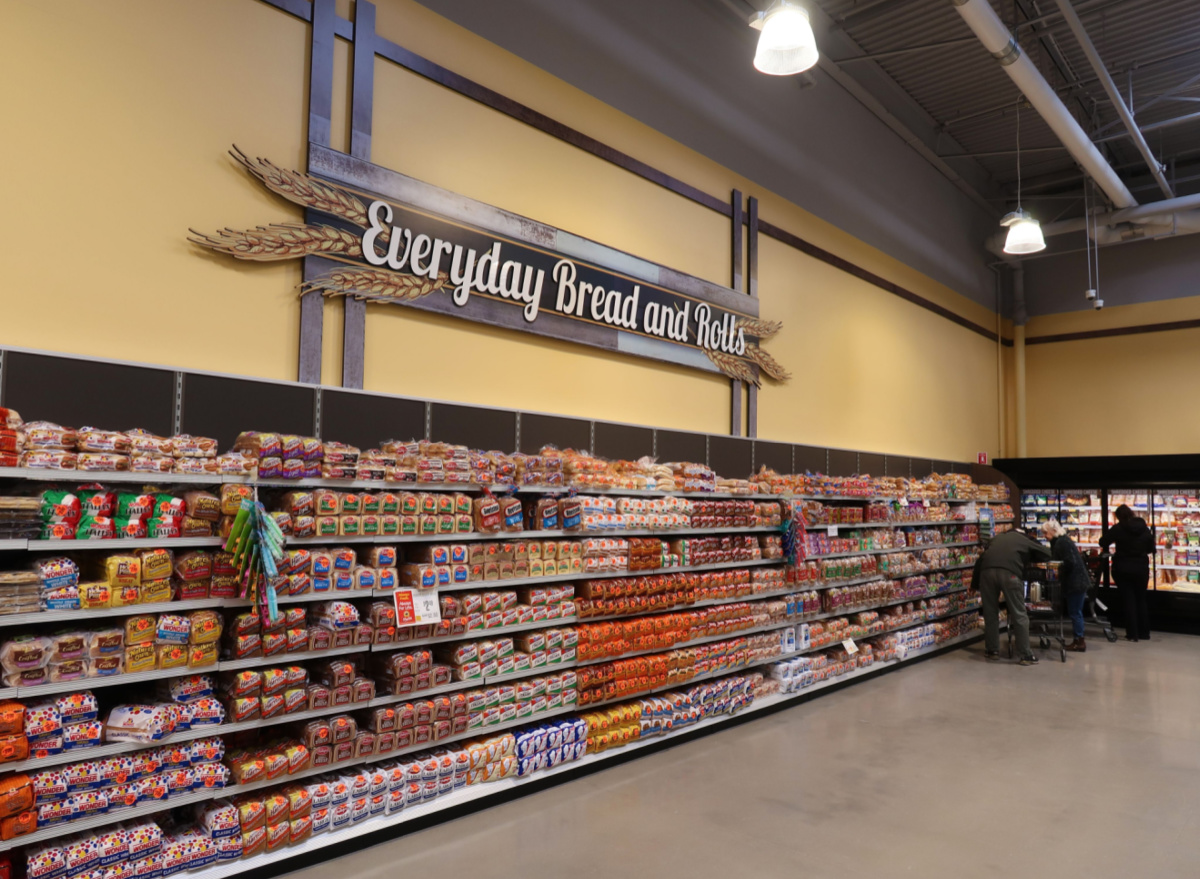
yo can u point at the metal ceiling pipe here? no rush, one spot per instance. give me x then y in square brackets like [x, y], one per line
[987, 26]
[1110, 88]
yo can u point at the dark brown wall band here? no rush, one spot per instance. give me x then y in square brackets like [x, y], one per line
[1114, 331]
[516, 110]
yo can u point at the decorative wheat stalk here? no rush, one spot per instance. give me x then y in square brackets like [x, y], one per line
[762, 329]
[280, 241]
[304, 189]
[376, 285]
[767, 363]
[734, 367]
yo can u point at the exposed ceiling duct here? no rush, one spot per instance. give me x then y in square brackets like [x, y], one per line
[995, 36]
[1131, 221]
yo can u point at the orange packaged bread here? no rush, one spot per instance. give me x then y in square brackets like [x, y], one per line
[18, 825]
[12, 717]
[14, 747]
[16, 795]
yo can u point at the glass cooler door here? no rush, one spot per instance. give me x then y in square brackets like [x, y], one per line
[1081, 516]
[1176, 521]
[1039, 505]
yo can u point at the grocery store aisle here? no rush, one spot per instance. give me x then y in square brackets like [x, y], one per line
[953, 767]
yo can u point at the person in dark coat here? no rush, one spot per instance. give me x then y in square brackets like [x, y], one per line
[1001, 570]
[1131, 568]
[1074, 576]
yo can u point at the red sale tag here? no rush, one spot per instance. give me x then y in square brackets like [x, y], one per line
[406, 614]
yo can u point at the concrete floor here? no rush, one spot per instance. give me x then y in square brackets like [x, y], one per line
[952, 768]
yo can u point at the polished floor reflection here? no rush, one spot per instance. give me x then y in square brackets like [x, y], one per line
[954, 767]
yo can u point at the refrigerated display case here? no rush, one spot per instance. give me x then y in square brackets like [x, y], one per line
[1177, 536]
[1164, 490]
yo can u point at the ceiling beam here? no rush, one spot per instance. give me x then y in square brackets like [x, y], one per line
[1153, 126]
[890, 53]
[1110, 88]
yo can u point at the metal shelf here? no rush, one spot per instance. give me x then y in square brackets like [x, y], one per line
[479, 633]
[845, 555]
[289, 658]
[233, 790]
[486, 792]
[102, 476]
[111, 681]
[850, 526]
[348, 484]
[468, 536]
[13, 544]
[889, 499]
[117, 544]
[595, 575]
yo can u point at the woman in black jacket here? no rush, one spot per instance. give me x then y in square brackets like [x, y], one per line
[1073, 575]
[1131, 568]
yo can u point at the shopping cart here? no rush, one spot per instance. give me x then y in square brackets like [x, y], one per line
[1046, 605]
[1097, 565]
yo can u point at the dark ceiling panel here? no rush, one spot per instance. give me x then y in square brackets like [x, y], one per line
[84, 393]
[474, 426]
[731, 456]
[366, 420]
[842, 462]
[623, 441]
[221, 408]
[553, 430]
[775, 456]
[871, 464]
[810, 459]
[675, 445]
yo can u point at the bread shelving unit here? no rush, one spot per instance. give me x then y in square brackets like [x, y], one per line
[483, 792]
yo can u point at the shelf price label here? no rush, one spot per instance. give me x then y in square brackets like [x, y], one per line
[850, 646]
[415, 607]
[833, 530]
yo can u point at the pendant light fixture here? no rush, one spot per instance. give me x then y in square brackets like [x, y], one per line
[787, 44]
[1024, 232]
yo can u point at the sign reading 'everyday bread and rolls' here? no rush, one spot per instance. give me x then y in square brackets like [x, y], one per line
[380, 236]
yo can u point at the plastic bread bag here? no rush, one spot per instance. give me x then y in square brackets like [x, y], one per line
[77, 707]
[60, 598]
[25, 653]
[69, 645]
[109, 641]
[336, 614]
[139, 723]
[145, 443]
[205, 626]
[91, 439]
[54, 572]
[187, 688]
[170, 656]
[86, 734]
[48, 435]
[188, 446]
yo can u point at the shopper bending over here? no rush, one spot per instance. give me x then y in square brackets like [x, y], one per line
[1001, 568]
[1073, 575]
[1131, 569]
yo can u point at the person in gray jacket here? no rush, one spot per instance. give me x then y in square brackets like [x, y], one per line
[1001, 569]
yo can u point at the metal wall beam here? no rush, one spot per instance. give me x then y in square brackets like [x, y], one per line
[320, 111]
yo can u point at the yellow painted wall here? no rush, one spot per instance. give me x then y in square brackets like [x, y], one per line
[1121, 395]
[122, 148]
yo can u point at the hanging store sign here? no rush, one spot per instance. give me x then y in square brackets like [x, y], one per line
[380, 236]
